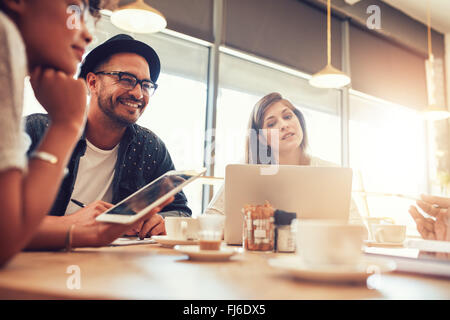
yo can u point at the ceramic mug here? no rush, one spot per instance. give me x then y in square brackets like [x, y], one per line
[329, 242]
[181, 228]
[393, 233]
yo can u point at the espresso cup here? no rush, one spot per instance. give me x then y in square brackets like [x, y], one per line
[325, 243]
[393, 233]
[211, 231]
[181, 228]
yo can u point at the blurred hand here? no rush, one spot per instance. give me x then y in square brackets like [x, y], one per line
[64, 97]
[86, 216]
[437, 227]
[150, 227]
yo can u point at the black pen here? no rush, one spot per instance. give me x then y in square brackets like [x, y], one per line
[78, 203]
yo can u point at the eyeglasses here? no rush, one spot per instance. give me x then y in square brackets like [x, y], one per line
[129, 81]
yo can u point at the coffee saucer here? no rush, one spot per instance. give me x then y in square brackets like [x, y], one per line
[167, 242]
[195, 253]
[372, 243]
[293, 266]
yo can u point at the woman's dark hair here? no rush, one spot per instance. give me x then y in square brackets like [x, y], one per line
[95, 6]
[254, 144]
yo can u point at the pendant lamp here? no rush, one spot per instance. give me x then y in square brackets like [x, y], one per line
[138, 17]
[329, 77]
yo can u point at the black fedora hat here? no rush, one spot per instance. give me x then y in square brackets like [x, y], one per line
[118, 44]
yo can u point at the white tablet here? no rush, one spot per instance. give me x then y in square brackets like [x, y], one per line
[145, 199]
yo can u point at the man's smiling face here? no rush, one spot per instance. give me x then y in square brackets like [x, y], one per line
[123, 106]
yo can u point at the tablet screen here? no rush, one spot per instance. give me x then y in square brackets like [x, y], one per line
[149, 194]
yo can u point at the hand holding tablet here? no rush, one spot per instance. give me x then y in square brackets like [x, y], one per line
[152, 195]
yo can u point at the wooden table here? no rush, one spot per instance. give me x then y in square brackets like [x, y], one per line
[153, 272]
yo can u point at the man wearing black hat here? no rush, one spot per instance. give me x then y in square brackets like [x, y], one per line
[115, 157]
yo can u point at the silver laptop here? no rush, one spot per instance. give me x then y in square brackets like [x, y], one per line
[311, 192]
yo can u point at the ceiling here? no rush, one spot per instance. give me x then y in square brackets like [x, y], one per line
[417, 9]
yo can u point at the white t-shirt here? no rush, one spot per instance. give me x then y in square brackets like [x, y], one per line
[94, 177]
[13, 69]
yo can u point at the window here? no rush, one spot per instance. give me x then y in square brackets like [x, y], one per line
[388, 156]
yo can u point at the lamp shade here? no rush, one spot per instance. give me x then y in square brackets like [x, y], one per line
[329, 77]
[138, 17]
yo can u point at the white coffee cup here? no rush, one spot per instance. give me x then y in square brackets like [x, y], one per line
[376, 220]
[394, 233]
[181, 228]
[325, 243]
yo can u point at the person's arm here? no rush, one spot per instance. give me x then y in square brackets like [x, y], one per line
[27, 198]
[50, 235]
[86, 232]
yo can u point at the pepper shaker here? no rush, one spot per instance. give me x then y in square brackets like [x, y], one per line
[285, 231]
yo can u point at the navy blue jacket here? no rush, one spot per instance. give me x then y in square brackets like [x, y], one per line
[142, 158]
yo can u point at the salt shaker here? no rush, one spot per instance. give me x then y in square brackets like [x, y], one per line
[285, 231]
